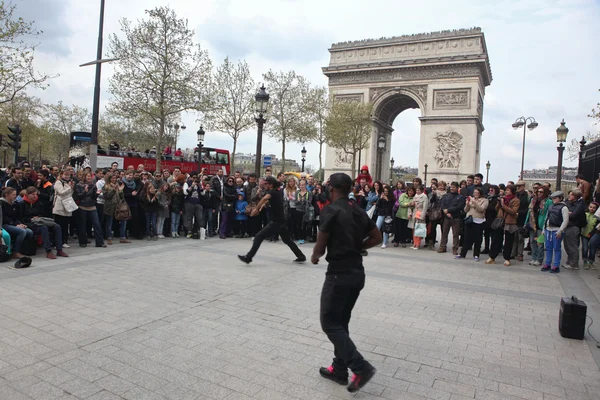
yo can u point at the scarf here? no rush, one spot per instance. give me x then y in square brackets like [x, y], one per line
[130, 184]
[508, 198]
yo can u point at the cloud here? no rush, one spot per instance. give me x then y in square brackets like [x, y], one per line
[50, 17]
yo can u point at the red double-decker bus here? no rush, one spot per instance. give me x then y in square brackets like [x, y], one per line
[213, 160]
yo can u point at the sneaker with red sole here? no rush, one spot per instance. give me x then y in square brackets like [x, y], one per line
[360, 380]
[332, 374]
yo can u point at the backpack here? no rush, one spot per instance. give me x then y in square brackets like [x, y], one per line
[122, 212]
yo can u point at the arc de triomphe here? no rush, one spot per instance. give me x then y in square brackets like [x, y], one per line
[444, 74]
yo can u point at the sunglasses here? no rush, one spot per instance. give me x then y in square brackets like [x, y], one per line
[540, 191]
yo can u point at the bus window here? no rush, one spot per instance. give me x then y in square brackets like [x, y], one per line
[209, 156]
[222, 158]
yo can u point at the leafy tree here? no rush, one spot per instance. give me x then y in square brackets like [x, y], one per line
[349, 126]
[24, 111]
[316, 107]
[59, 121]
[232, 101]
[16, 55]
[161, 72]
[288, 92]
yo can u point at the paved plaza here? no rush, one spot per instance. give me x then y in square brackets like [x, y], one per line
[183, 319]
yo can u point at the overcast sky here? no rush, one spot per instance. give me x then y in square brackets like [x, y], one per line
[544, 56]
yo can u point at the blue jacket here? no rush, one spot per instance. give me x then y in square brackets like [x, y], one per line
[240, 210]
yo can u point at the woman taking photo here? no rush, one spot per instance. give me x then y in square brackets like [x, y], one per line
[289, 206]
[63, 190]
[475, 208]
[403, 233]
[113, 195]
[384, 209]
[305, 212]
[87, 193]
[420, 202]
[508, 209]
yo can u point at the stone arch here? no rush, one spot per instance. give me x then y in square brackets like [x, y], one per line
[444, 74]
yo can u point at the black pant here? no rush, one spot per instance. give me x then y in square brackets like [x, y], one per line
[269, 231]
[432, 235]
[509, 239]
[486, 236]
[338, 297]
[473, 235]
[402, 234]
[496, 237]
[64, 226]
[240, 227]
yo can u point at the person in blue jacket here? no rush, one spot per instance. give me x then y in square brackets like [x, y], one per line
[241, 219]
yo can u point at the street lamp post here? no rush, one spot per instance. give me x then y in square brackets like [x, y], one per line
[176, 127]
[261, 103]
[380, 150]
[391, 171]
[303, 152]
[200, 134]
[582, 144]
[522, 122]
[487, 171]
[561, 136]
[425, 176]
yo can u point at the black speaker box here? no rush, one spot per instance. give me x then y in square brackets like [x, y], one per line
[571, 320]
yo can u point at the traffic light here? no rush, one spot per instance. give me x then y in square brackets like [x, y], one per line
[14, 139]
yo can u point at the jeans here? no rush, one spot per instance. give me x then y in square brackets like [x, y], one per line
[585, 249]
[160, 224]
[19, 234]
[175, 218]
[208, 214]
[82, 231]
[269, 231]
[150, 223]
[473, 239]
[571, 241]
[448, 223]
[379, 223]
[518, 244]
[338, 297]
[108, 219]
[58, 239]
[537, 249]
[594, 244]
[553, 248]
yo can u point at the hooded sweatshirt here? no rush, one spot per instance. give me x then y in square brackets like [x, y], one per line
[366, 176]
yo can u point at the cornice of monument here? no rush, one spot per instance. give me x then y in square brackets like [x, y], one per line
[454, 33]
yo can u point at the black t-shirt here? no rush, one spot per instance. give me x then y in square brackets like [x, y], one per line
[348, 225]
[276, 203]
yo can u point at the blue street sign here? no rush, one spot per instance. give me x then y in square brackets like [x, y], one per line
[267, 161]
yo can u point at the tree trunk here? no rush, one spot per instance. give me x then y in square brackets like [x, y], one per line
[233, 154]
[353, 163]
[320, 156]
[161, 132]
[283, 153]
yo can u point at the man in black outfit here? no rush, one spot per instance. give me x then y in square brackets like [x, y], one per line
[343, 228]
[277, 224]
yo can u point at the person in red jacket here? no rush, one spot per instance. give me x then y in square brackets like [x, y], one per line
[364, 174]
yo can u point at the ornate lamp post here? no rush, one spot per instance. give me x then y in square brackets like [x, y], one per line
[561, 136]
[261, 103]
[522, 122]
[176, 127]
[380, 149]
[391, 171]
[582, 144]
[303, 152]
[425, 176]
[200, 134]
[487, 171]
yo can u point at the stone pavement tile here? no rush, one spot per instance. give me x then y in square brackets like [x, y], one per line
[43, 391]
[174, 391]
[460, 368]
[114, 384]
[304, 392]
[136, 376]
[439, 373]
[477, 382]
[211, 390]
[428, 392]
[545, 388]
[139, 393]
[19, 359]
[241, 386]
[80, 387]
[481, 394]
[20, 373]
[463, 390]
[270, 394]
[55, 375]
[9, 393]
[415, 377]
[394, 394]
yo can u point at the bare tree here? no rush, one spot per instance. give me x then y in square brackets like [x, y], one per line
[232, 101]
[59, 121]
[348, 127]
[288, 92]
[161, 72]
[16, 55]
[316, 108]
[574, 147]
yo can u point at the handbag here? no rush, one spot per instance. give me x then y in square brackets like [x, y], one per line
[497, 223]
[69, 204]
[43, 221]
[122, 211]
[435, 213]
[468, 220]
[371, 212]
[420, 230]
[387, 227]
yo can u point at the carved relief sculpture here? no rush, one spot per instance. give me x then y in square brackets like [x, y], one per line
[451, 98]
[448, 149]
[342, 159]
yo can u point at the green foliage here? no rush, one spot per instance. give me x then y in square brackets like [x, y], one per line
[16, 55]
[160, 73]
[349, 126]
